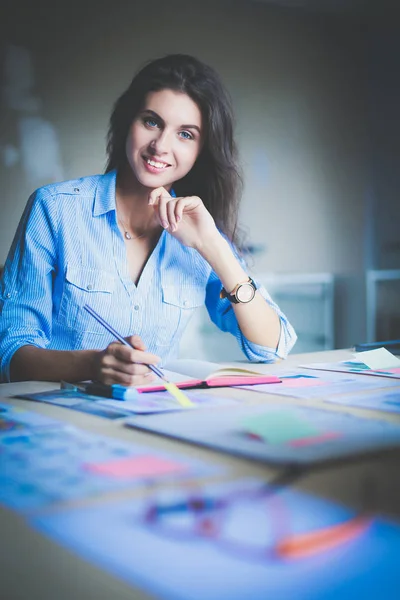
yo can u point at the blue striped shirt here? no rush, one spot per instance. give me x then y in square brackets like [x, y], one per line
[68, 251]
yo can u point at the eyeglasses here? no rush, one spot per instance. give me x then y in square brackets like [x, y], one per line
[256, 524]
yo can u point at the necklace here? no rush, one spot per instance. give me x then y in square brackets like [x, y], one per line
[127, 235]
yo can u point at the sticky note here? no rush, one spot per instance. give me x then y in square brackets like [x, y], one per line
[177, 394]
[136, 467]
[326, 436]
[279, 427]
[380, 358]
[298, 381]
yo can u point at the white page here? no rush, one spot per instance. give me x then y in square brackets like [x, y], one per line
[202, 369]
[198, 369]
[380, 358]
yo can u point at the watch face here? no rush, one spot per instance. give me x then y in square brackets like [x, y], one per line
[245, 292]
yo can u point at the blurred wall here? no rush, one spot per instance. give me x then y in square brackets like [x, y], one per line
[300, 89]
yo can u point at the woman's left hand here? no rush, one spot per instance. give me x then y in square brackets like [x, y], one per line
[185, 218]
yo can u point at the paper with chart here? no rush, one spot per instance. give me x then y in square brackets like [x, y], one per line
[74, 399]
[276, 434]
[300, 383]
[237, 540]
[384, 400]
[44, 462]
[19, 420]
[160, 402]
[354, 366]
[152, 402]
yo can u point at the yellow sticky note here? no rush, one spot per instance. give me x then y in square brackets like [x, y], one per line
[380, 358]
[177, 394]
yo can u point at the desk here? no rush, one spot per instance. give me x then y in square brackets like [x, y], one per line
[32, 566]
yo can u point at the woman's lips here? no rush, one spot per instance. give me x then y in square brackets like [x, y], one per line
[155, 166]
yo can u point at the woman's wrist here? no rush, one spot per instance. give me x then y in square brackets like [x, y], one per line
[219, 255]
[91, 361]
[212, 246]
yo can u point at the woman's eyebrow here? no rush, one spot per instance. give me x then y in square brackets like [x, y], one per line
[148, 111]
[191, 127]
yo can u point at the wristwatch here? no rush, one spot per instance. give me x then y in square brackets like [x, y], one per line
[242, 292]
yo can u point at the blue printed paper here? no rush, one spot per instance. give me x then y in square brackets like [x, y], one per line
[235, 541]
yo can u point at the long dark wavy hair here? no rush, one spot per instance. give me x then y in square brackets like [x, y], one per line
[215, 176]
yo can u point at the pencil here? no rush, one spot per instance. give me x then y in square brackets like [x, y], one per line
[171, 387]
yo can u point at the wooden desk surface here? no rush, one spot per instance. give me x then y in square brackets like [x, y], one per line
[33, 567]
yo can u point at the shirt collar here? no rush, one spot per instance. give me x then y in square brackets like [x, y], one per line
[104, 199]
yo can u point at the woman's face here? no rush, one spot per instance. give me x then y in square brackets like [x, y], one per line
[165, 138]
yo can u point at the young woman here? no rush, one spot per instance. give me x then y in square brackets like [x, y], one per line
[144, 244]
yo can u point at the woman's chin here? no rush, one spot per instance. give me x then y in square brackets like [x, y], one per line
[154, 181]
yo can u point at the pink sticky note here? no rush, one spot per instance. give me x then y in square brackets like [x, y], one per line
[136, 467]
[316, 439]
[300, 382]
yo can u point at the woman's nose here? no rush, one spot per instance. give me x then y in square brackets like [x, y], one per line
[162, 143]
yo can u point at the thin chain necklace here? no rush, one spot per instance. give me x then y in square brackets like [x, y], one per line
[127, 235]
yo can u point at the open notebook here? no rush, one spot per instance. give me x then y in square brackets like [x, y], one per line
[189, 373]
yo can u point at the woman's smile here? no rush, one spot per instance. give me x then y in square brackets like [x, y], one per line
[155, 166]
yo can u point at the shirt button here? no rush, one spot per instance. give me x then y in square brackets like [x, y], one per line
[8, 295]
[185, 303]
[136, 307]
[76, 189]
[89, 287]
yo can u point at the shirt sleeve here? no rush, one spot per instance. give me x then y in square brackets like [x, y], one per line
[26, 287]
[222, 314]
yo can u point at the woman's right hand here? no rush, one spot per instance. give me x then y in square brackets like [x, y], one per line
[125, 366]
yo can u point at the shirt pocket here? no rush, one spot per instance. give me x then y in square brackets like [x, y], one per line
[178, 306]
[86, 286]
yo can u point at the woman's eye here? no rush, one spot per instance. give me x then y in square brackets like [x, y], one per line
[150, 122]
[186, 135]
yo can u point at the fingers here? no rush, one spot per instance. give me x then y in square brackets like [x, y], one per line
[111, 377]
[179, 207]
[159, 198]
[136, 342]
[171, 216]
[157, 193]
[126, 366]
[165, 206]
[170, 210]
[162, 210]
[131, 356]
[154, 194]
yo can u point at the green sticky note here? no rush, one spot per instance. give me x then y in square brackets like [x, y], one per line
[279, 427]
